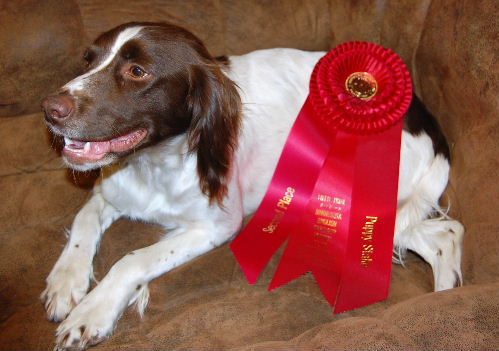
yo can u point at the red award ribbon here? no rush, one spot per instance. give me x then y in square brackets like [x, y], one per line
[333, 195]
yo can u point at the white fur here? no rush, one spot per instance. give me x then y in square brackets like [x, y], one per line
[160, 184]
[79, 82]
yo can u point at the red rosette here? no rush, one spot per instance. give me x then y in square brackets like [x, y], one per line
[340, 217]
[340, 108]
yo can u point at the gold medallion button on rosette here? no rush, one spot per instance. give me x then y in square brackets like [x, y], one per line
[362, 85]
[360, 88]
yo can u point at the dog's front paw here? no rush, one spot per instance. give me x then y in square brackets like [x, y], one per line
[66, 286]
[88, 324]
[93, 319]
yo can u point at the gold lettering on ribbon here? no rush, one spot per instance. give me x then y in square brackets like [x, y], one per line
[328, 213]
[327, 222]
[367, 237]
[281, 208]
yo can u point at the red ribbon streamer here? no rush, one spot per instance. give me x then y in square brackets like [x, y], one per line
[333, 195]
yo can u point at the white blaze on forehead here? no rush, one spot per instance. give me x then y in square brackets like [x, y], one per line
[79, 82]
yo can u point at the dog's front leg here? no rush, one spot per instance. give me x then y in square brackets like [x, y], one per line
[94, 318]
[68, 281]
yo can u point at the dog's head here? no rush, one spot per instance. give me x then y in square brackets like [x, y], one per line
[146, 83]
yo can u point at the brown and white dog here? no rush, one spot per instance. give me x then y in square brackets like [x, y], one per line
[191, 143]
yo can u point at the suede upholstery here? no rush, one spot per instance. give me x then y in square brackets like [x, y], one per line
[28, 68]
[451, 47]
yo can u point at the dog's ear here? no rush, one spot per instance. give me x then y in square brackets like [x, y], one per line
[215, 108]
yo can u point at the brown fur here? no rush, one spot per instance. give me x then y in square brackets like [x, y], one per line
[185, 93]
[215, 106]
[419, 120]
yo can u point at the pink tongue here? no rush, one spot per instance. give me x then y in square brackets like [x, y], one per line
[125, 142]
[99, 149]
[119, 144]
[97, 152]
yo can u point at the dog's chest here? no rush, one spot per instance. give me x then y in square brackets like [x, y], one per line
[152, 194]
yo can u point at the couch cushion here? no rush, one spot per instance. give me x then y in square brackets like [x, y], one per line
[226, 26]
[40, 49]
[458, 319]
[457, 70]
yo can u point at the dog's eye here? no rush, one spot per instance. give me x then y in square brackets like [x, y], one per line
[137, 72]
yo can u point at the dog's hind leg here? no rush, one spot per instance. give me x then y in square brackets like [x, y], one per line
[423, 227]
[439, 242]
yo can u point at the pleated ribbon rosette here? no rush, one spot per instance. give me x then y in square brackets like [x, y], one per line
[333, 196]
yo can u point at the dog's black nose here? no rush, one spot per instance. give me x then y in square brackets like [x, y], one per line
[57, 108]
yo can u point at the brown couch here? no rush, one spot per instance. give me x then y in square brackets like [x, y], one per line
[451, 47]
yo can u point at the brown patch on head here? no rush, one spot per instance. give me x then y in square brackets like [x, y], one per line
[162, 82]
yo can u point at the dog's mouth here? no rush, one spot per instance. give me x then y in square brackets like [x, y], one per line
[80, 152]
